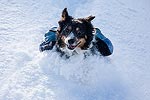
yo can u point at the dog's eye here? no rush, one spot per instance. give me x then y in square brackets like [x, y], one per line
[67, 30]
[79, 33]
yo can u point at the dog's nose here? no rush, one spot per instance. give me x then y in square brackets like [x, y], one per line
[71, 41]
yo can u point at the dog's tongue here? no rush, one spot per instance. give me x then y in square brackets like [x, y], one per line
[71, 47]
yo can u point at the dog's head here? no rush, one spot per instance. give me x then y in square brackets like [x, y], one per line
[74, 33]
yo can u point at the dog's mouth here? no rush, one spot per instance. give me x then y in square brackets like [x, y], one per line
[73, 46]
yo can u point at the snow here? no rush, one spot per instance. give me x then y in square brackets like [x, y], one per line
[27, 74]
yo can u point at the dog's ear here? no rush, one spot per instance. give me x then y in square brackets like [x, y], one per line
[90, 18]
[65, 14]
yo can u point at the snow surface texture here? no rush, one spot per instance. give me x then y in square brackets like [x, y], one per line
[27, 74]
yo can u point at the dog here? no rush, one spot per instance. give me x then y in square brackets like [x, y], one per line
[74, 34]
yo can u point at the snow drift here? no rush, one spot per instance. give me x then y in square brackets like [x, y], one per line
[27, 74]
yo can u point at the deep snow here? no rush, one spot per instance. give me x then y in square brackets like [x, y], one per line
[27, 74]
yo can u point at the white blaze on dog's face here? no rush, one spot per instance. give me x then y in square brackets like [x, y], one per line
[71, 41]
[69, 37]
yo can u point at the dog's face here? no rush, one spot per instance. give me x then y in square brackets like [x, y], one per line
[75, 33]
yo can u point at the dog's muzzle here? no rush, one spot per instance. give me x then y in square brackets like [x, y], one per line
[72, 45]
[71, 41]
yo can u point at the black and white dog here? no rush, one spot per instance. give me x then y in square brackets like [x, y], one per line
[74, 33]
[77, 35]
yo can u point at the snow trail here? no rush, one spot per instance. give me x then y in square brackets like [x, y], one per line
[25, 73]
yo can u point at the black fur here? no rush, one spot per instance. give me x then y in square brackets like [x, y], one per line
[84, 25]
